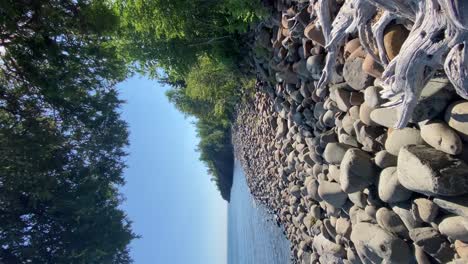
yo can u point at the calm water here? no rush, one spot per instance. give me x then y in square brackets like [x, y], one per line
[253, 236]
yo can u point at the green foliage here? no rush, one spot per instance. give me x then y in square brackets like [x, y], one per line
[61, 136]
[215, 83]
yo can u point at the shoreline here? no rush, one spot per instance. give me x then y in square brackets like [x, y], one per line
[347, 186]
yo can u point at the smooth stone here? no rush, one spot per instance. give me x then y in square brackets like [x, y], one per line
[420, 256]
[376, 245]
[383, 159]
[328, 258]
[391, 222]
[455, 227]
[399, 138]
[403, 210]
[323, 246]
[312, 190]
[424, 210]
[389, 188]
[433, 243]
[372, 96]
[357, 53]
[334, 152]
[462, 249]
[357, 171]
[356, 98]
[331, 193]
[394, 37]
[315, 66]
[456, 205]
[358, 198]
[352, 256]
[343, 227]
[365, 114]
[354, 76]
[351, 46]
[295, 191]
[371, 67]
[348, 124]
[334, 173]
[314, 33]
[440, 136]
[386, 117]
[456, 116]
[315, 211]
[434, 99]
[342, 99]
[432, 172]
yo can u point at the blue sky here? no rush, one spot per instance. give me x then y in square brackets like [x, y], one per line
[170, 198]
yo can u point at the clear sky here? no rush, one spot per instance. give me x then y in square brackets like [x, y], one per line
[170, 198]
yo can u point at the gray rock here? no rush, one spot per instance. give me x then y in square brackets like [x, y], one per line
[323, 246]
[352, 256]
[365, 114]
[375, 245]
[315, 212]
[329, 118]
[433, 243]
[342, 99]
[424, 210]
[455, 227]
[312, 190]
[456, 117]
[347, 124]
[371, 211]
[390, 190]
[429, 171]
[402, 137]
[358, 198]
[315, 66]
[343, 227]
[334, 173]
[390, 221]
[420, 255]
[354, 76]
[357, 171]
[372, 96]
[295, 191]
[455, 205]
[383, 159]
[440, 136]
[328, 258]
[403, 210]
[433, 100]
[334, 152]
[331, 192]
[386, 117]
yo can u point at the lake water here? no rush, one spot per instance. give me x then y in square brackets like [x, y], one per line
[253, 236]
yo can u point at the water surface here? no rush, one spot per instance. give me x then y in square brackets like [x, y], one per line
[253, 236]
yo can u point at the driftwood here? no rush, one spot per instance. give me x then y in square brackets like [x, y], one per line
[437, 40]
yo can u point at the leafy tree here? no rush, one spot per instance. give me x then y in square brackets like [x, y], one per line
[61, 136]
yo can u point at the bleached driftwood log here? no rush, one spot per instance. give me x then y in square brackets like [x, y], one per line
[439, 33]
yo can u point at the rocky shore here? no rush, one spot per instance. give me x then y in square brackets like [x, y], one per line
[346, 185]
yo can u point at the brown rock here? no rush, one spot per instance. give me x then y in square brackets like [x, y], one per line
[394, 37]
[371, 67]
[358, 53]
[462, 249]
[351, 46]
[315, 34]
